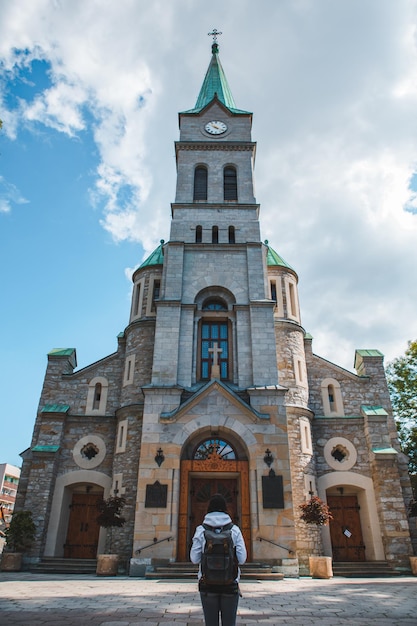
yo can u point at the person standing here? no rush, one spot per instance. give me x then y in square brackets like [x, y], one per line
[218, 599]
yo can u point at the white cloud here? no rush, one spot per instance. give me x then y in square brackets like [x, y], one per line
[9, 196]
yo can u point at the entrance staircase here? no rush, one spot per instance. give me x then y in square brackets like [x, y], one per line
[53, 565]
[188, 571]
[363, 569]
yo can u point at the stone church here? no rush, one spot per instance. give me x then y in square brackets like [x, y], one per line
[214, 387]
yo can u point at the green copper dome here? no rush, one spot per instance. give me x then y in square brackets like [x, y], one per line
[156, 257]
[273, 258]
[215, 85]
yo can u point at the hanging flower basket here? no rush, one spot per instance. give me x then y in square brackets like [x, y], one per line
[315, 511]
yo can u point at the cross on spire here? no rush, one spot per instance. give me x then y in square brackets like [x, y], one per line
[214, 33]
[214, 46]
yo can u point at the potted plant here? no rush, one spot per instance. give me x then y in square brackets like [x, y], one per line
[316, 512]
[20, 535]
[109, 517]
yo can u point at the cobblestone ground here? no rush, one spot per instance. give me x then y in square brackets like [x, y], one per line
[51, 600]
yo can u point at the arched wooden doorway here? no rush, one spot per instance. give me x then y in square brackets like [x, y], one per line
[213, 468]
[83, 530]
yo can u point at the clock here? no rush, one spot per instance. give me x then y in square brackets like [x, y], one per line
[215, 128]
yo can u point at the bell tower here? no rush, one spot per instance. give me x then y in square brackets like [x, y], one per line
[215, 263]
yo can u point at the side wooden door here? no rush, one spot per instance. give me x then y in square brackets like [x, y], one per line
[345, 529]
[83, 530]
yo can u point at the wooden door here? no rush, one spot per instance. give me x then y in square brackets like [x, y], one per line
[345, 529]
[202, 489]
[83, 530]
[194, 489]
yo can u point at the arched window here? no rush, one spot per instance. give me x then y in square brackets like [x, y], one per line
[97, 396]
[199, 234]
[215, 331]
[200, 183]
[214, 304]
[230, 183]
[231, 234]
[215, 234]
[214, 446]
[332, 399]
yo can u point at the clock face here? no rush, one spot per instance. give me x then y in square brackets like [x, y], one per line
[215, 128]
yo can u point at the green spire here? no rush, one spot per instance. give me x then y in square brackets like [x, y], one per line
[273, 258]
[215, 85]
[156, 257]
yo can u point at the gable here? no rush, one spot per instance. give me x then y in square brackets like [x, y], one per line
[211, 400]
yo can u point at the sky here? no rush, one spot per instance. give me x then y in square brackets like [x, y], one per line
[89, 98]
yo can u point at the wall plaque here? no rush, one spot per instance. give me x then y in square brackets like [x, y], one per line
[272, 491]
[156, 495]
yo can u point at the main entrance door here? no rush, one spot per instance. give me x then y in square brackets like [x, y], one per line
[345, 529]
[202, 489]
[200, 479]
[83, 530]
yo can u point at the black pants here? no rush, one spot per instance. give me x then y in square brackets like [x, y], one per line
[219, 603]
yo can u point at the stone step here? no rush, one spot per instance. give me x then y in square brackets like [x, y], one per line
[365, 569]
[54, 565]
[188, 571]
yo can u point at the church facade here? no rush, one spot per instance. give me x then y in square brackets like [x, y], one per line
[214, 387]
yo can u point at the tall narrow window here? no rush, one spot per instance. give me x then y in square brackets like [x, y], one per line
[273, 286]
[200, 183]
[231, 234]
[97, 396]
[215, 234]
[214, 349]
[155, 294]
[199, 234]
[136, 299]
[332, 399]
[331, 395]
[230, 183]
[293, 308]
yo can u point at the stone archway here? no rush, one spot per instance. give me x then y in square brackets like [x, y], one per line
[201, 477]
[362, 487]
[62, 499]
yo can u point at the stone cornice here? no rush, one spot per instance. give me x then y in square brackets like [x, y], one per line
[223, 146]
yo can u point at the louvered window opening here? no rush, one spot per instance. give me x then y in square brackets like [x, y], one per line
[230, 183]
[200, 183]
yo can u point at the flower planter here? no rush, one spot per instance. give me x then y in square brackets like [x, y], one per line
[11, 562]
[413, 564]
[320, 566]
[107, 564]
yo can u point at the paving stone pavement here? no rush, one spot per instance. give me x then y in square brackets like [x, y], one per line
[67, 600]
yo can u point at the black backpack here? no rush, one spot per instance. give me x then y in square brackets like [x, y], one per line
[218, 562]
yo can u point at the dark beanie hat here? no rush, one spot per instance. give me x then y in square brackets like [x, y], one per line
[217, 504]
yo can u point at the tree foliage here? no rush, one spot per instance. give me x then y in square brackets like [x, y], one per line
[402, 384]
[110, 515]
[315, 511]
[110, 512]
[21, 532]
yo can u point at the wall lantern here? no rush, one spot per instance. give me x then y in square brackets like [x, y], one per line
[159, 458]
[268, 458]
